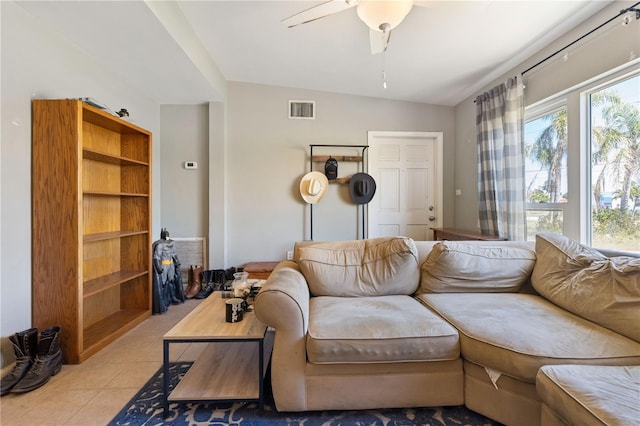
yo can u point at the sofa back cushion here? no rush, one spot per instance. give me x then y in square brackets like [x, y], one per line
[587, 283]
[456, 266]
[373, 267]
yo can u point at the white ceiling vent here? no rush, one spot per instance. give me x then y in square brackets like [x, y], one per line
[302, 109]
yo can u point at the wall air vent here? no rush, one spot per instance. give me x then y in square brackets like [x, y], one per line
[302, 109]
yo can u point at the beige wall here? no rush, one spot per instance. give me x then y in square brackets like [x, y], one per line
[185, 192]
[250, 193]
[606, 49]
[267, 154]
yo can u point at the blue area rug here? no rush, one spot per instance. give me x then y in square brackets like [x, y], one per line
[145, 408]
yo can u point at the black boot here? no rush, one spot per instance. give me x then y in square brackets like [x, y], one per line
[209, 282]
[25, 346]
[47, 363]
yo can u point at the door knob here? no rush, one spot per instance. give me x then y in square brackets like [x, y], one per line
[432, 218]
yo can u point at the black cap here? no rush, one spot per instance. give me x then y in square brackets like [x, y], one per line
[331, 168]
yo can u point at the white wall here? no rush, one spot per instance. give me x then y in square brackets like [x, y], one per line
[37, 63]
[606, 49]
[267, 154]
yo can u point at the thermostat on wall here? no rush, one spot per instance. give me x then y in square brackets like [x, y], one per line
[190, 165]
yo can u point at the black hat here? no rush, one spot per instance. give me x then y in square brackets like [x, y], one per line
[362, 188]
[331, 168]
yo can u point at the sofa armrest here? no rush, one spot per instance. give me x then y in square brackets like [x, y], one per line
[283, 303]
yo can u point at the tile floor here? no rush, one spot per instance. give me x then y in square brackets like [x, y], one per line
[93, 392]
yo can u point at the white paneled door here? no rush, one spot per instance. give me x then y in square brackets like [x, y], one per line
[407, 168]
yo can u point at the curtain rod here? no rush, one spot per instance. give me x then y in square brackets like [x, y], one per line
[622, 12]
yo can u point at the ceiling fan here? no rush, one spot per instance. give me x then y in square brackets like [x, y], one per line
[381, 16]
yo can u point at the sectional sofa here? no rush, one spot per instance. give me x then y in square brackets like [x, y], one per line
[392, 322]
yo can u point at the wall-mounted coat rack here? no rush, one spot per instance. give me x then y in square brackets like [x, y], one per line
[345, 180]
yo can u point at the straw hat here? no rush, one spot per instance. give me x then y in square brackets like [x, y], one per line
[313, 186]
[362, 187]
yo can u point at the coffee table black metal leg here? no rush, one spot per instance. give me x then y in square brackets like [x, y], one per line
[261, 373]
[165, 379]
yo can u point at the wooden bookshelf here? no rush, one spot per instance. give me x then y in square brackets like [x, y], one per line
[91, 215]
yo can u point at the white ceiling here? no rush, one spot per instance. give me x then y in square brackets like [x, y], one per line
[440, 54]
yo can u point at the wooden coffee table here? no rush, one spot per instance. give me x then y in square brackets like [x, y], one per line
[232, 365]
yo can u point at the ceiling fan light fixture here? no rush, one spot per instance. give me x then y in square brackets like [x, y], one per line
[383, 15]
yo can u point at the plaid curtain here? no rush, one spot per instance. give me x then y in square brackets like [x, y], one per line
[501, 184]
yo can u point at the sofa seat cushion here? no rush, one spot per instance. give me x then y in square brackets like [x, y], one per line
[583, 281]
[516, 334]
[378, 329]
[373, 267]
[591, 394]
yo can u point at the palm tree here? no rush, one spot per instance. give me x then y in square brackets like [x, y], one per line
[634, 194]
[549, 150]
[618, 140]
[602, 145]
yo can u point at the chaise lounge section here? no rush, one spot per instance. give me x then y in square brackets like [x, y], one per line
[589, 394]
[390, 322]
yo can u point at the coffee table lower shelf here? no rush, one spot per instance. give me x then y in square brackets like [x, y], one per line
[225, 371]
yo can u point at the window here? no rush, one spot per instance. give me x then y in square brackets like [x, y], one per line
[546, 144]
[615, 165]
[582, 162]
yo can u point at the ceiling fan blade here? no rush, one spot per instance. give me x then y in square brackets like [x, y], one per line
[320, 11]
[379, 41]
